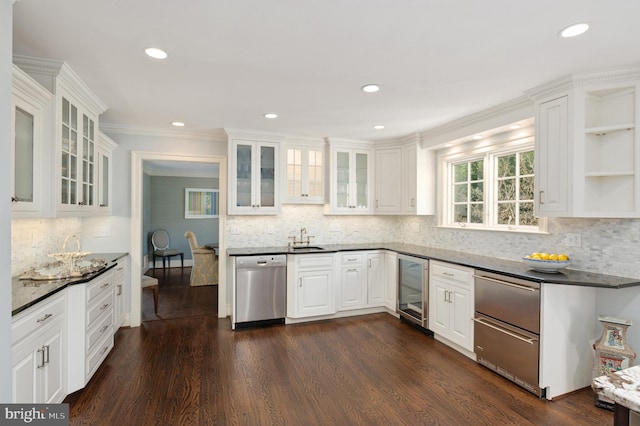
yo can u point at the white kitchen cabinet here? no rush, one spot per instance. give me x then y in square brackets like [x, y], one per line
[553, 165]
[376, 267]
[391, 281]
[90, 312]
[451, 306]
[74, 124]
[389, 180]
[104, 165]
[587, 146]
[419, 180]
[120, 274]
[310, 285]
[38, 352]
[304, 167]
[351, 176]
[254, 177]
[353, 281]
[30, 150]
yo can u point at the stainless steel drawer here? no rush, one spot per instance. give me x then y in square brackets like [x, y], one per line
[509, 351]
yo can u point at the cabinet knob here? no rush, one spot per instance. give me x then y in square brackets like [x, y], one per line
[14, 199]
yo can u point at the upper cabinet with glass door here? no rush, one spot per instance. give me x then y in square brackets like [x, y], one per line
[305, 169]
[104, 165]
[75, 110]
[351, 188]
[29, 108]
[254, 174]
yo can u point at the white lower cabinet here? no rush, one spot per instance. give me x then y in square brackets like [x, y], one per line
[311, 290]
[90, 327]
[391, 281]
[451, 305]
[376, 267]
[361, 280]
[121, 271]
[38, 367]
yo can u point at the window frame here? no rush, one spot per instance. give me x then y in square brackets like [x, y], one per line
[489, 152]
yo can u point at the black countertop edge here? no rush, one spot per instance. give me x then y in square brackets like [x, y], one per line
[40, 290]
[510, 268]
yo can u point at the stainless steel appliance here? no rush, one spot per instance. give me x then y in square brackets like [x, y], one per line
[261, 288]
[507, 328]
[413, 289]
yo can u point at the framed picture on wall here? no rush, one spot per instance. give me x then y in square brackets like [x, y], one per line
[201, 203]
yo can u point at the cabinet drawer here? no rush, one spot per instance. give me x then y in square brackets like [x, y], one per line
[103, 284]
[102, 328]
[352, 258]
[102, 305]
[98, 354]
[452, 273]
[37, 317]
[310, 261]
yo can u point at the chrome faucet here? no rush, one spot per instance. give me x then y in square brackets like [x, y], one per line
[295, 242]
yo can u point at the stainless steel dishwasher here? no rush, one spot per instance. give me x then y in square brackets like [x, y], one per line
[261, 290]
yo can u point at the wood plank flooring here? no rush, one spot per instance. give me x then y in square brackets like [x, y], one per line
[366, 370]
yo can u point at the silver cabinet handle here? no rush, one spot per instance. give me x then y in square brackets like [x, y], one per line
[369, 263]
[44, 318]
[46, 354]
[446, 292]
[300, 281]
[103, 329]
[540, 197]
[105, 306]
[518, 286]
[41, 353]
[105, 285]
[119, 290]
[501, 330]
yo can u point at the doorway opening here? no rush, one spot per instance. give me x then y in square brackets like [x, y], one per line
[139, 233]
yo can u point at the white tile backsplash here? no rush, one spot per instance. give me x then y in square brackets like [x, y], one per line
[32, 240]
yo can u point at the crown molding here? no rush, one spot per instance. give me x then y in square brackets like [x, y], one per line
[30, 88]
[64, 76]
[212, 135]
[254, 135]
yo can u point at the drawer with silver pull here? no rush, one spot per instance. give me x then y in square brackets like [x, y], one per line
[99, 307]
[103, 284]
[352, 258]
[98, 354]
[451, 272]
[37, 316]
[102, 328]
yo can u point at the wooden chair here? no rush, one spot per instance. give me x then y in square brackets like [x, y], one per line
[151, 283]
[160, 241]
[205, 263]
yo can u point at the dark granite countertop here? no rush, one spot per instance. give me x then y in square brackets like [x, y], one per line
[511, 268]
[26, 293]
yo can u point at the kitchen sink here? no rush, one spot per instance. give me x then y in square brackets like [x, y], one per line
[306, 248]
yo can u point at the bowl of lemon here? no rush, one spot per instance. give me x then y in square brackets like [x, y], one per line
[545, 262]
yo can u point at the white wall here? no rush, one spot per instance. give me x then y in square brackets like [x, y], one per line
[6, 25]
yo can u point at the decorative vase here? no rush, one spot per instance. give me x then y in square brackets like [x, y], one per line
[613, 353]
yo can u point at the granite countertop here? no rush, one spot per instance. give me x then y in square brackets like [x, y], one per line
[511, 268]
[26, 293]
[622, 387]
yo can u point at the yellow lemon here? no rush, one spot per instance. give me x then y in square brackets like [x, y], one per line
[563, 256]
[553, 256]
[536, 256]
[544, 256]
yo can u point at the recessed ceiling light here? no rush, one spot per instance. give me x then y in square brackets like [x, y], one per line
[448, 145]
[574, 30]
[270, 115]
[155, 53]
[177, 123]
[477, 137]
[514, 126]
[370, 88]
[378, 127]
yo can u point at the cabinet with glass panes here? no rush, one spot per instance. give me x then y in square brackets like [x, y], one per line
[75, 112]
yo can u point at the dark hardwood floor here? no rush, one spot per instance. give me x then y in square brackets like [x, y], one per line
[183, 369]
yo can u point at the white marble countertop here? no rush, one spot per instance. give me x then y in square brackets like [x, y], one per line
[623, 387]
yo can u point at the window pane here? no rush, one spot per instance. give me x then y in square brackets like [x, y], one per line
[460, 213]
[477, 170]
[526, 214]
[526, 163]
[507, 165]
[477, 213]
[506, 189]
[526, 188]
[507, 213]
[460, 172]
[460, 193]
[477, 191]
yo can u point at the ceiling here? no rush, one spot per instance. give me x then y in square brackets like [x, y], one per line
[231, 61]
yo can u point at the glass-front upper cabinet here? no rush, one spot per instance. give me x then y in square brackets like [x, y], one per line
[104, 151]
[28, 109]
[351, 181]
[304, 181]
[253, 177]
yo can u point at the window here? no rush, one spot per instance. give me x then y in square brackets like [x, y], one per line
[490, 187]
